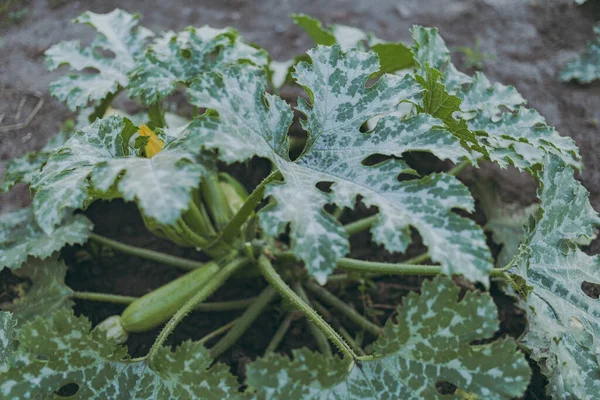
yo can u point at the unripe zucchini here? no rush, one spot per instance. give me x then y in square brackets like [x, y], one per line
[156, 307]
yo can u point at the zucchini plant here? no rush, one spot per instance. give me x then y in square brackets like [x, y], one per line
[369, 108]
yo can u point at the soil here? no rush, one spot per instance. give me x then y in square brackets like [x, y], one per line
[530, 41]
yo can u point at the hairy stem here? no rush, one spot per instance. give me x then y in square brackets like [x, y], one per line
[280, 333]
[319, 337]
[274, 279]
[181, 263]
[244, 322]
[348, 338]
[218, 331]
[341, 306]
[216, 282]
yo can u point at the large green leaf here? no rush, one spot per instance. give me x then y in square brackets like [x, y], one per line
[179, 58]
[7, 339]
[493, 116]
[564, 322]
[100, 156]
[431, 342]
[60, 349]
[21, 236]
[47, 292]
[119, 34]
[585, 68]
[252, 123]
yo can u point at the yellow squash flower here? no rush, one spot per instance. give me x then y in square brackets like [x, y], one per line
[154, 145]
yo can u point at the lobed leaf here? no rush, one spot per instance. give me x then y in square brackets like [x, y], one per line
[119, 34]
[585, 68]
[100, 157]
[47, 292]
[431, 342]
[179, 58]
[252, 123]
[491, 118]
[22, 237]
[564, 322]
[60, 349]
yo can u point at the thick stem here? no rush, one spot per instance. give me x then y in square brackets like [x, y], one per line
[106, 297]
[156, 115]
[274, 279]
[233, 227]
[457, 169]
[348, 338]
[244, 322]
[218, 331]
[360, 225]
[280, 333]
[182, 263]
[216, 202]
[101, 108]
[344, 308]
[216, 282]
[320, 338]
[380, 268]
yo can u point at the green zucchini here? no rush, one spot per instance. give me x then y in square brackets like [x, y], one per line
[156, 307]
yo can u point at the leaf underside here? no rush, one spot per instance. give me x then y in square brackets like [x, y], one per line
[429, 343]
[585, 68]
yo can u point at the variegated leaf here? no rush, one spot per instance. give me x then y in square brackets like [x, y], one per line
[179, 58]
[21, 237]
[46, 292]
[119, 34]
[564, 322]
[585, 68]
[60, 349]
[99, 157]
[494, 115]
[252, 123]
[7, 337]
[431, 342]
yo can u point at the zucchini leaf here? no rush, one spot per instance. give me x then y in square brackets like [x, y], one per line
[585, 68]
[99, 157]
[490, 118]
[253, 123]
[564, 322]
[46, 293]
[119, 34]
[60, 349]
[431, 342]
[21, 236]
[179, 58]
[7, 337]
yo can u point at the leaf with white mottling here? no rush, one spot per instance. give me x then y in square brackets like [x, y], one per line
[429, 343]
[21, 237]
[252, 123]
[100, 156]
[7, 339]
[119, 34]
[47, 292]
[564, 322]
[494, 115]
[60, 349]
[179, 58]
[585, 68]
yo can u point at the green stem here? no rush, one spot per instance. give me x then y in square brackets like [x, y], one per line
[244, 322]
[337, 213]
[156, 116]
[380, 268]
[360, 225]
[198, 221]
[101, 108]
[457, 169]
[218, 331]
[181, 263]
[280, 333]
[319, 337]
[215, 202]
[216, 282]
[348, 338]
[234, 226]
[216, 306]
[106, 297]
[349, 312]
[286, 292]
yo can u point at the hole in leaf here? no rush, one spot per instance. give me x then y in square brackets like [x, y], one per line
[68, 390]
[324, 186]
[591, 289]
[445, 387]
[185, 53]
